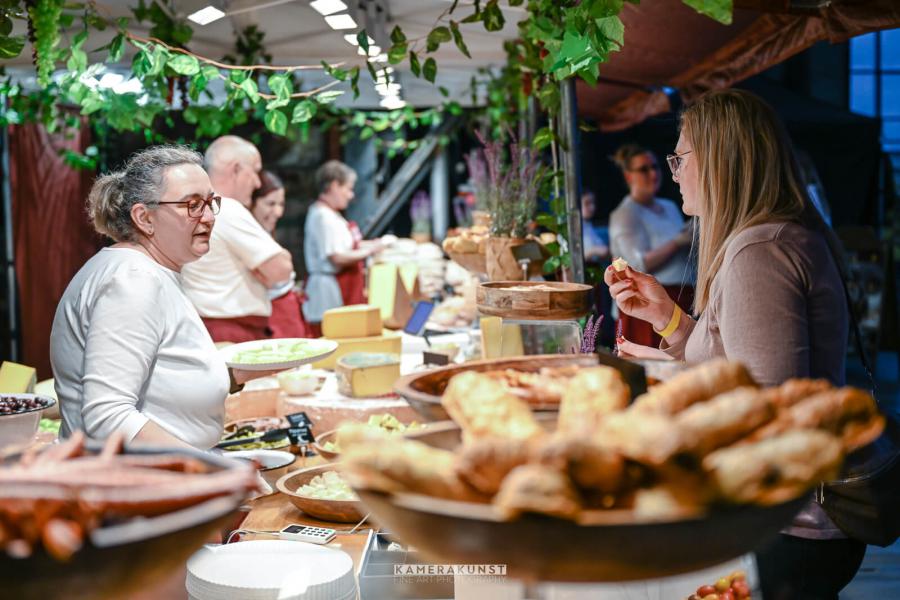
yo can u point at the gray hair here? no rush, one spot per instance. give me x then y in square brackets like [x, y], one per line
[141, 181]
[333, 170]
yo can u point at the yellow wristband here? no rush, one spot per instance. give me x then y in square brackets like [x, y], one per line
[673, 323]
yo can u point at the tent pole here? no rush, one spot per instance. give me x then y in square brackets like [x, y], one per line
[568, 131]
[9, 250]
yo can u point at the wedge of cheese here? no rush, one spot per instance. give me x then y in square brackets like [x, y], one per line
[354, 321]
[16, 378]
[389, 342]
[367, 374]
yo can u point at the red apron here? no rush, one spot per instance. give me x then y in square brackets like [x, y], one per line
[352, 279]
[238, 329]
[287, 319]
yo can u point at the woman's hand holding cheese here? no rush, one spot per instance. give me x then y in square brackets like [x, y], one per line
[640, 295]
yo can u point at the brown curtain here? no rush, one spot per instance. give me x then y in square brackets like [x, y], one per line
[52, 235]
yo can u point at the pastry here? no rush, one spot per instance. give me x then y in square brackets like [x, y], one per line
[591, 395]
[537, 489]
[483, 406]
[589, 465]
[775, 470]
[485, 462]
[694, 385]
[795, 390]
[645, 437]
[723, 420]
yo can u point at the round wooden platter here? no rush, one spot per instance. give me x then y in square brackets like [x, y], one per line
[534, 300]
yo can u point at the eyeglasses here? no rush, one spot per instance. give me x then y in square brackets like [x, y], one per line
[646, 169]
[675, 161]
[197, 203]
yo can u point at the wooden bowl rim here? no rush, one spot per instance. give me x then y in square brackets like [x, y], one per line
[559, 286]
[281, 484]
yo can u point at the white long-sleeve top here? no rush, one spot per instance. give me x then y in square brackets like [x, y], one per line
[127, 346]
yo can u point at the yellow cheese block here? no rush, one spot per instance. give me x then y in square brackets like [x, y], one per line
[367, 374]
[491, 337]
[389, 342]
[354, 321]
[16, 378]
[511, 340]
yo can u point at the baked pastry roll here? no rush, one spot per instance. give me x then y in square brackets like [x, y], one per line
[723, 420]
[483, 407]
[393, 464]
[777, 469]
[483, 463]
[849, 413]
[591, 395]
[793, 391]
[537, 489]
[642, 436]
[546, 386]
[694, 385]
[590, 465]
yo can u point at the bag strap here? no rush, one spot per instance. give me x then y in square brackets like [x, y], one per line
[857, 336]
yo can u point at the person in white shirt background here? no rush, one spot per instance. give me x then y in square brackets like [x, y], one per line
[333, 247]
[230, 285]
[651, 235]
[128, 349]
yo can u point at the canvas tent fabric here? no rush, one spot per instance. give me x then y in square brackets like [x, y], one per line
[669, 45]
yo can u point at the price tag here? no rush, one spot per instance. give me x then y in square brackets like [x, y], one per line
[301, 436]
[299, 419]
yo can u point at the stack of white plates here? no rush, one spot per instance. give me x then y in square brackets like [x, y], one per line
[270, 570]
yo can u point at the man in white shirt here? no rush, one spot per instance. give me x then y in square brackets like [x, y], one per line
[229, 285]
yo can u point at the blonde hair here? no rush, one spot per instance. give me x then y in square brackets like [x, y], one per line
[746, 171]
[141, 181]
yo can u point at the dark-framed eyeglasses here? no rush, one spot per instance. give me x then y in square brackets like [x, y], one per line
[197, 203]
[646, 169]
[675, 161]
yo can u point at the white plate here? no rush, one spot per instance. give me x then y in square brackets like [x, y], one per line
[321, 347]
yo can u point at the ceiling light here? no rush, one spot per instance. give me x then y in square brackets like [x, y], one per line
[380, 58]
[340, 22]
[387, 89]
[392, 102]
[373, 51]
[351, 39]
[328, 7]
[207, 15]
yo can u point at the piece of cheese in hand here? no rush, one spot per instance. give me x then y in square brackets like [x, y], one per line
[366, 374]
[354, 321]
[619, 264]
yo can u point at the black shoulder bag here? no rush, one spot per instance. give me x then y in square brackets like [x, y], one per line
[865, 503]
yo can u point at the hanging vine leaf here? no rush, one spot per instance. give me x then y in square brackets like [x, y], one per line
[281, 86]
[363, 39]
[429, 69]
[414, 64]
[493, 16]
[397, 35]
[11, 47]
[303, 111]
[354, 81]
[184, 64]
[436, 37]
[397, 53]
[250, 88]
[458, 39]
[116, 48]
[328, 97]
[720, 10]
[276, 121]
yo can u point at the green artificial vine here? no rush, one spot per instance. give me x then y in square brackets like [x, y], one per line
[43, 32]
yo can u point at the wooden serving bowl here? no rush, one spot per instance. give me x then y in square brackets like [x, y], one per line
[318, 445]
[534, 300]
[339, 511]
[423, 390]
[603, 546]
[473, 262]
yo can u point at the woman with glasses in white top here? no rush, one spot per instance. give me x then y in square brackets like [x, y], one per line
[651, 235]
[128, 349]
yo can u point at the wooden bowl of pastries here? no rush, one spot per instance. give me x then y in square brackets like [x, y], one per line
[700, 469]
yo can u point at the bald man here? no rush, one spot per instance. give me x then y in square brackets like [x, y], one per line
[229, 286]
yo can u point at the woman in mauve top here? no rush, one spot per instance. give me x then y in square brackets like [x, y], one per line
[768, 294]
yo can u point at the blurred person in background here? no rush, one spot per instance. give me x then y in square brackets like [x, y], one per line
[651, 235]
[267, 207]
[230, 285]
[595, 249]
[333, 248]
